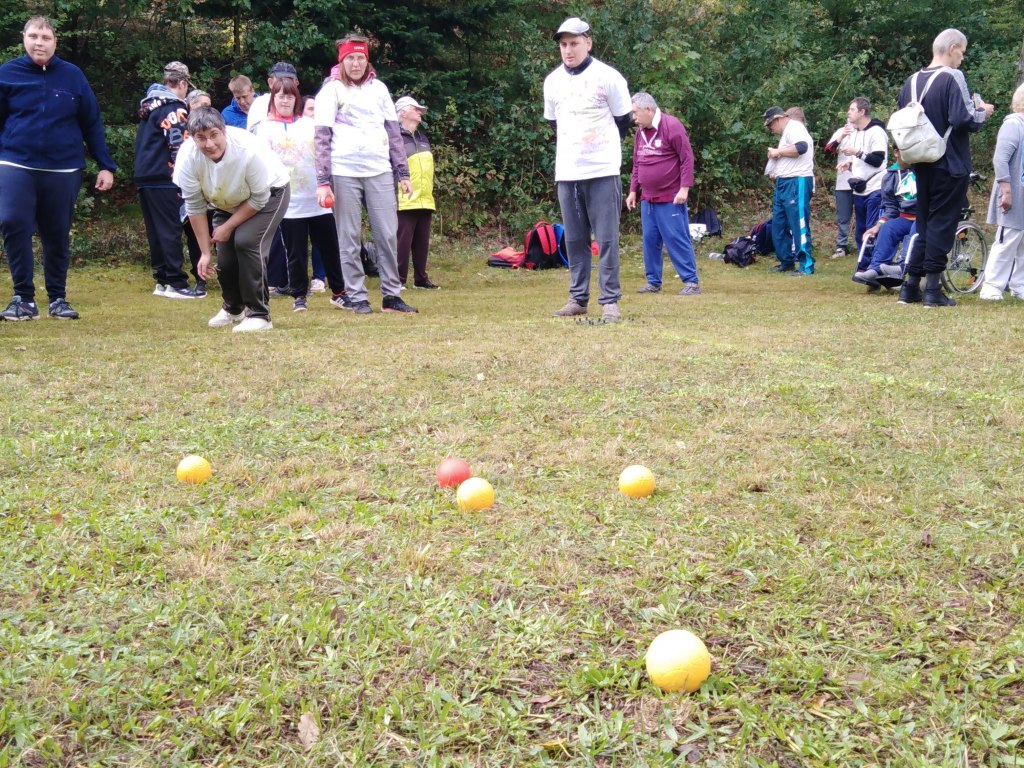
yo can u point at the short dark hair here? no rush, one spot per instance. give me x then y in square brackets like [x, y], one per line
[862, 104]
[203, 119]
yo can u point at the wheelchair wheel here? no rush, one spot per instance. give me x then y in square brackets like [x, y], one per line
[966, 266]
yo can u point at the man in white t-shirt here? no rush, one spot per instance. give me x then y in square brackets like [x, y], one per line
[792, 165]
[588, 104]
[865, 156]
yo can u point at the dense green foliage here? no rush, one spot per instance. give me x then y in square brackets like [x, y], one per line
[479, 65]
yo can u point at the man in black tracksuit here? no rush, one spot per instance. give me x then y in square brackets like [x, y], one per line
[942, 185]
[163, 113]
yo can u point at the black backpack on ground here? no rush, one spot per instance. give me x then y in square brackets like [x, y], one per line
[742, 252]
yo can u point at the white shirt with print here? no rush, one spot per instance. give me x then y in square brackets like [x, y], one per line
[584, 107]
[356, 115]
[293, 144]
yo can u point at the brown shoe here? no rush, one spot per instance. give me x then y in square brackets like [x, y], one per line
[572, 309]
[611, 314]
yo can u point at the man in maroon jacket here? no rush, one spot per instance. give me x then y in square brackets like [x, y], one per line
[663, 172]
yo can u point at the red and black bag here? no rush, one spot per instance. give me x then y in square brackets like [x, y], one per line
[541, 247]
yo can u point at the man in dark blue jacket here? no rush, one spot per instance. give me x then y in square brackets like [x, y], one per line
[942, 185]
[47, 111]
[163, 113]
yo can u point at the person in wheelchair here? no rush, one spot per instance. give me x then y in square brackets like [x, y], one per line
[896, 225]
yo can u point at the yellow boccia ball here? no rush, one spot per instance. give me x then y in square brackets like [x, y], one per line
[636, 482]
[194, 470]
[474, 494]
[678, 661]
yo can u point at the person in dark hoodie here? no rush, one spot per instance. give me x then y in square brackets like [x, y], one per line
[864, 155]
[896, 223]
[163, 114]
[47, 112]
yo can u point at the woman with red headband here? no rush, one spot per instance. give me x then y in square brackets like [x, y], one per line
[359, 156]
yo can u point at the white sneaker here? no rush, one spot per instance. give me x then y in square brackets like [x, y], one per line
[317, 286]
[253, 324]
[990, 294]
[223, 319]
[159, 290]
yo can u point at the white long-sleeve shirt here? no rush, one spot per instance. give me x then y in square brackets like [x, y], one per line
[246, 173]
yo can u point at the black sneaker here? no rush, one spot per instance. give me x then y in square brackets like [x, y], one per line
[395, 304]
[426, 285]
[60, 309]
[200, 289]
[300, 304]
[342, 301]
[782, 268]
[361, 308]
[20, 310]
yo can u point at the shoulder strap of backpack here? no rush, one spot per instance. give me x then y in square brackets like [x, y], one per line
[927, 85]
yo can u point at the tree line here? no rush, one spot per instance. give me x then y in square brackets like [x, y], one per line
[479, 65]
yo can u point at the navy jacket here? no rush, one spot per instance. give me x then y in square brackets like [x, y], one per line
[45, 115]
[160, 134]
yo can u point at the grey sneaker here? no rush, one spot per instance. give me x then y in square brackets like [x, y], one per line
[60, 309]
[610, 313]
[650, 288]
[361, 307]
[892, 270]
[572, 309]
[20, 310]
[866, 277]
[300, 304]
[839, 253]
[159, 290]
[689, 289]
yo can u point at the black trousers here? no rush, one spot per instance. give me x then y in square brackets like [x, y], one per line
[414, 239]
[161, 209]
[324, 234]
[940, 200]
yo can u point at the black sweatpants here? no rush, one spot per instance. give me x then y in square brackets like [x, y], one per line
[324, 234]
[161, 207]
[940, 201]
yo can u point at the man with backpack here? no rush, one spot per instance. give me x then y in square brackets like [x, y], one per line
[587, 103]
[942, 91]
[663, 171]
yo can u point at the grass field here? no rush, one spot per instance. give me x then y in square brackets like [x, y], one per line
[838, 516]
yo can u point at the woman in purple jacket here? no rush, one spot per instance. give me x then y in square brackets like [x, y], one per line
[47, 111]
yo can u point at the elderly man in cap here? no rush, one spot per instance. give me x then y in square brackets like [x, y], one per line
[163, 113]
[415, 211]
[282, 70]
[587, 103]
[791, 164]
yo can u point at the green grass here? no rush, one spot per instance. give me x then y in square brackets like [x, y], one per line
[838, 516]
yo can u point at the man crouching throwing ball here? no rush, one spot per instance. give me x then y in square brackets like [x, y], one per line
[231, 172]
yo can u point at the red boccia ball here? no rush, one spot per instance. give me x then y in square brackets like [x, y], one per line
[452, 472]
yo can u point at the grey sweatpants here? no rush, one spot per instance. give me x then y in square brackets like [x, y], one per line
[593, 205]
[377, 194]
